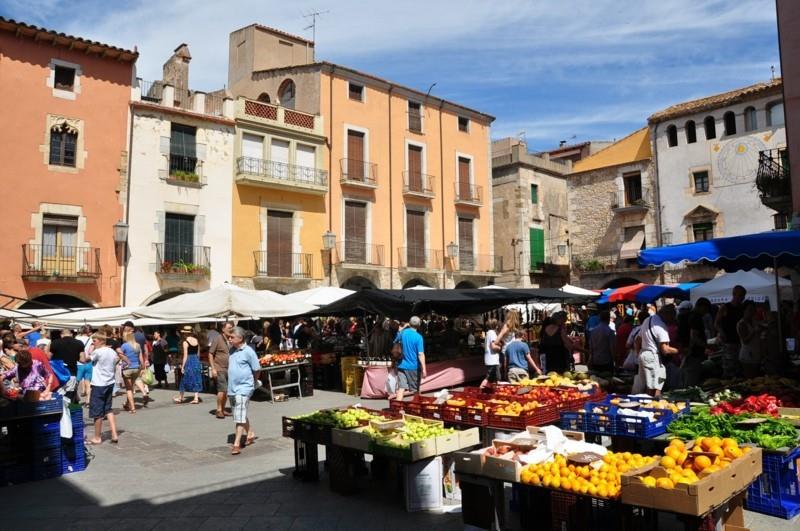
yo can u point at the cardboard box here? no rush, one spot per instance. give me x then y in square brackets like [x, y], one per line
[415, 451]
[448, 443]
[537, 433]
[450, 484]
[423, 485]
[505, 469]
[469, 437]
[355, 439]
[698, 498]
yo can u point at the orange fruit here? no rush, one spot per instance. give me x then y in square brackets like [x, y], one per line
[732, 452]
[682, 458]
[673, 451]
[664, 483]
[649, 481]
[717, 450]
[668, 462]
[556, 483]
[728, 442]
[677, 443]
[701, 462]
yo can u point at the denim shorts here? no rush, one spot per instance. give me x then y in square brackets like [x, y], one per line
[408, 380]
[100, 401]
[84, 372]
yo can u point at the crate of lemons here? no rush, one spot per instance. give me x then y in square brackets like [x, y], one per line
[687, 465]
[599, 479]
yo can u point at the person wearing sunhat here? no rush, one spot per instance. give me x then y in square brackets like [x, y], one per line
[190, 366]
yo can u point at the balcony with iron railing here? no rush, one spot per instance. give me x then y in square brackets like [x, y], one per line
[467, 262]
[419, 258]
[185, 171]
[267, 113]
[358, 253]
[283, 265]
[469, 194]
[418, 184]
[272, 174]
[60, 263]
[631, 199]
[359, 173]
[603, 263]
[773, 179]
[183, 260]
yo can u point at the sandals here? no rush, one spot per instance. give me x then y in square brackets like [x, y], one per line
[250, 440]
[236, 450]
[195, 401]
[220, 416]
[177, 400]
[115, 441]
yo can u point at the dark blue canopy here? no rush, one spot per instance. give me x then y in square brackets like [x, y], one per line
[751, 251]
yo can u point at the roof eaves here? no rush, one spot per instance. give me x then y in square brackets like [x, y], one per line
[715, 101]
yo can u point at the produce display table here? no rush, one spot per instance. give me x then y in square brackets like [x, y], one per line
[441, 374]
[291, 368]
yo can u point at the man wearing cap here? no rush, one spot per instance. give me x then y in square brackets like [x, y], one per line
[408, 371]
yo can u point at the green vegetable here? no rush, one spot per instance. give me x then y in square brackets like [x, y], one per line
[770, 434]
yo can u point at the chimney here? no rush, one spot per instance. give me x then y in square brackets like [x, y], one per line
[176, 69]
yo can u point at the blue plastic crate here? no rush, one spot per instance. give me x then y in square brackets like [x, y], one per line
[47, 470]
[45, 441]
[604, 423]
[46, 425]
[73, 457]
[643, 427]
[643, 400]
[777, 490]
[42, 407]
[9, 409]
[573, 420]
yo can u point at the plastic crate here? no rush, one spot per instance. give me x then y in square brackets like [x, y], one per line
[47, 463]
[573, 420]
[430, 410]
[643, 427]
[601, 423]
[292, 428]
[538, 416]
[42, 407]
[8, 410]
[777, 490]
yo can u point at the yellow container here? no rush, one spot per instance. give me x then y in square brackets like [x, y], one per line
[346, 363]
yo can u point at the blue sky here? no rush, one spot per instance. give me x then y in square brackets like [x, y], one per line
[552, 69]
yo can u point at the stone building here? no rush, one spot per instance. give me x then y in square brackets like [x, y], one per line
[706, 153]
[531, 233]
[180, 187]
[612, 214]
[575, 152]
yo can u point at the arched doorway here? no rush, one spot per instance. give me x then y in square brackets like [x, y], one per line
[621, 283]
[166, 295]
[466, 284]
[414, 282]
[358, 282]
[60, 300]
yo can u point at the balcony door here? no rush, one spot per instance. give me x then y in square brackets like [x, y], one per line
[355, 155]
[466, 251]
[182, 149]
[306, 163]
[464, 189]
[179, 238]
[253, 153]
[279, 243]
[415, 168]
[633, 188]
[279, 158]
[59, 238]
[355, 232]
[415, 238]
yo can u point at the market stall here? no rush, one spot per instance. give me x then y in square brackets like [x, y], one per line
[441, 374]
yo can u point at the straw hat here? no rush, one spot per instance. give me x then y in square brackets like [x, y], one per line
[187, 329]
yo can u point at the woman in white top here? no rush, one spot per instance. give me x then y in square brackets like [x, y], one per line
[491, 354]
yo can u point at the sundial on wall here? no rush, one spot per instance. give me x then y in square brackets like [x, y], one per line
[738, 160]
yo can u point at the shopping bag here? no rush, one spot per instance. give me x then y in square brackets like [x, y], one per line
[65, 425]
[167, 368]
[60, 371]
[147, 377]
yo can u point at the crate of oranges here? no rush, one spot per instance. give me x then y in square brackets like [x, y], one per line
[693, 478]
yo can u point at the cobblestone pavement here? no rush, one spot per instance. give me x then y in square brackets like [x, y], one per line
[172, 470]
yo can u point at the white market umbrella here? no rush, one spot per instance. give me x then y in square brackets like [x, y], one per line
[320, 296]
[493, 286]
[575, 290]
[226, 300]
[421, 287]
[760, 287]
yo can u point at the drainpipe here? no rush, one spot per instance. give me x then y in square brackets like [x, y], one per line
[657, 197]
[391, 201]
[127, 209]
[441, 194]
[330, 173]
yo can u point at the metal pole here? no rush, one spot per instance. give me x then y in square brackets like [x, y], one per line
[778, 302]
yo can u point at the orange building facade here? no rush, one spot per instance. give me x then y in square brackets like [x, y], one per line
[408, 174]
[64, 164]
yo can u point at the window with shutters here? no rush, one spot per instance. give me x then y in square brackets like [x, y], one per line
[537, 248]
[63, 145]
[700, 181]
[183, 151]
[703, 231]
[179, 238]
[535, 194]
[466, 251]
[355, 91]
[415, 179]
[750, 119]
[633, 188]
[355, 232]
[414, 116]
[465, 189]
[279, 243]
[415, 238]
[356, 156]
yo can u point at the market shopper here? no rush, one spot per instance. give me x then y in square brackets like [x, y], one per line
[191, 380]
[750, 337]
[691, 365]
[133, 364]
[728, 318]
[218, 358]
[602, 345]
[104, 361]
[519, 360]
[491, 354]
[555, 346]
[31, 375]
[159, 351]
[654, 344]
[412, 365]
[67, 349]
[242, 367]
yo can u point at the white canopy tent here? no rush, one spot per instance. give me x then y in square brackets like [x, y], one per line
[760, 287]
[226, 300]
[116, 316]
[575, 290]
[319, 296]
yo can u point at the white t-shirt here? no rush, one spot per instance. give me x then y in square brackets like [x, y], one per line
[658, 329]
[490, 357]
[104, 360]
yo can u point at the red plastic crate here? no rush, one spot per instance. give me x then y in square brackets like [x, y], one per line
[431, 410]
[539, 416]
[467, 414]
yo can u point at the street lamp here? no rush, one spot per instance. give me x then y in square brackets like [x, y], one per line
[121, 232]
[452, 249]
[328, 243]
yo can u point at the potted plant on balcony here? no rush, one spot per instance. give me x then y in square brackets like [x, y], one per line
[84, 273]
[166, 266]
[185, 176]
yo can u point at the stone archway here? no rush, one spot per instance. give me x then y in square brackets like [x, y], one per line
[414, 282]
[621, 282]
[466, 284]
[358, 282]
[61, 300]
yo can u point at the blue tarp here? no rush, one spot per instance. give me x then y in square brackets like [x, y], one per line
[751, 251]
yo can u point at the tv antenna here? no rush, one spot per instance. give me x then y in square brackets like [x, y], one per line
[313, 26]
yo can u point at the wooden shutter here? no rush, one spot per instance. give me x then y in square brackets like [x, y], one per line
[355, 155]
[415, 238]
[466, 256]
[179, 238]
[537, 248]
[355, 232]
[464, 191]
[415, 168]
[279, 243]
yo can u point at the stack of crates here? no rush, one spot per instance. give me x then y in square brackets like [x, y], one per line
[46, 438]
[73, 456]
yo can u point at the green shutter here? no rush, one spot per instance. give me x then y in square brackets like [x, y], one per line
[537, 248]
[534, 193]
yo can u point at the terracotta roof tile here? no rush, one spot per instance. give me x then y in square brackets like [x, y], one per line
[717, 100]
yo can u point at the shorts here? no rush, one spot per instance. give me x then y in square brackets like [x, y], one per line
[492, 373]
[515, 374]
[131, 374]
[651, 371]
[222, 381]
[408, 379]
[240, 408]
[84, 372]
[100, 401]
